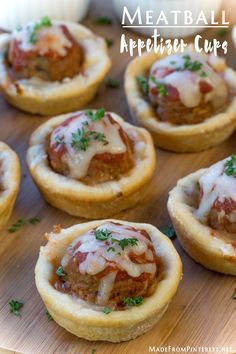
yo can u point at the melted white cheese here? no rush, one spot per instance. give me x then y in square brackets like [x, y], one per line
[187, 82]
[215, 184]
[79, 161]
[48, 39]
[99, 257]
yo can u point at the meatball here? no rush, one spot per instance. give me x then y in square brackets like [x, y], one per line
[49, 66]
[222, 215]
[102, 166]
[88, 287]
[185, 90]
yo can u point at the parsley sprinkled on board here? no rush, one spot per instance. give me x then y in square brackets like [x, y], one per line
[34, 221]
[135, 301]
[50, 318]
[143, 84]
[169, 231]
[102, 234]
[44, 22]
[125, 242]
[15, 307]
[97, 115]
[21, 222]
[15, 227]
[230, 166]
[234, 295]
[109, 42]
[161, 88]
[107, 310]
[112, 83]
[103, 21]
[222, 32]
[60, 272]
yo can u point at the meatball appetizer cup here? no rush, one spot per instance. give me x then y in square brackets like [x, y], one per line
[9, 182]
[187, 101]
[51, 67]
[91, 163]
[108, 280]
[203, 209]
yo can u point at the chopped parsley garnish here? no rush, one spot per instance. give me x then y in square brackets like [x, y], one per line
[58, 140]
[44, 22]
[50, 318]
[21, 222]
[203, 74]
[230, 166]
[107, 310]
[111, 249]
[15, 306]
[161, 88]
[82, 138]
[15, 227]
[112, 83]
[109, 42]
[34, 221]
[222, 32]
[169, 231]
[97, 115]
[190, 65]
[234, 295]
[60, 272]
[135, 301]
[102, 234]
[125, 242]
[172, 62]
[104, 21]
[143, 84]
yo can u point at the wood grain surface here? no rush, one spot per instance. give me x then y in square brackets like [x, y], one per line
[202, 312]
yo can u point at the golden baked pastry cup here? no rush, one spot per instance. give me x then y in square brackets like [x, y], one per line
[185, 138]
[9, 182]
[48, 98]
[90, 201]
[200, 241]
[79, 317]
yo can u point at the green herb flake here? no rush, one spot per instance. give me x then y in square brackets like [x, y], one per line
[58, 140]
[100, 137]
[161, 88]
[136, 301]
[15, 227]
[107, 310]
[102, 234]
[15, 307]
[112, 83]
[34, 221]
[80, 140]
[93, 351]
[109, 42]
[234, 295]
[44, 22]
[103, 21]
[169, 231]
[60, 272]
[143, 84]
[49, 316]
[203, 74]
[222, 32]
[172, 62]
[230, 166]
[111, 249]
[125, 242]
[97, 115]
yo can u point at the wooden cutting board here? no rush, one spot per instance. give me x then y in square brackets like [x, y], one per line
[202, 312]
